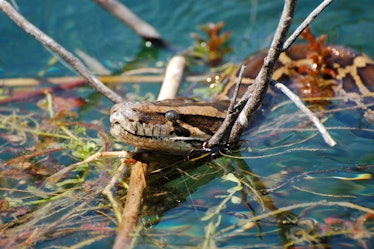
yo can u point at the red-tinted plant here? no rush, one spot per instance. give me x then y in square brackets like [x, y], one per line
[318, 76]
[213, 49]
[357, 229]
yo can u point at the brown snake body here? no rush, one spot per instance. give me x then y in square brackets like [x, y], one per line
[181, 125]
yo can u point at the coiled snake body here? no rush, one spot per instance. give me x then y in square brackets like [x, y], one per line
[180, 125]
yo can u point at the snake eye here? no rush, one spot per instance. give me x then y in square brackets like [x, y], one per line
[171, 115]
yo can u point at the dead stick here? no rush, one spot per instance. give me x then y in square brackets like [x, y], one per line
[125, 15]
[132, 206]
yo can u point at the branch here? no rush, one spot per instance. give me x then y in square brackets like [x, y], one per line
[133, 203]
[326, 136]
[221, 135]
[58, 49]
[264, 76]
[306, 23]
[125, 15]
[254, 96]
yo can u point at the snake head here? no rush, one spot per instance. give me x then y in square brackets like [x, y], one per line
[175, 126]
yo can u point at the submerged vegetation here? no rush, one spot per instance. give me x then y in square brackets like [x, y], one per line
[62, 187]
[43, 203]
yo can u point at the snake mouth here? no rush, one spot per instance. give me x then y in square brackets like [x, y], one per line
[165, 143]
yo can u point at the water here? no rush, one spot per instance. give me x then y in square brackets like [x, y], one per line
[276, 158]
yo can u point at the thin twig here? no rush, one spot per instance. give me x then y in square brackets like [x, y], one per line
[306, 23]
[47, 41]
[236, 90]
[108, 189]
[298, 102]
[62, 173]
[221, 135]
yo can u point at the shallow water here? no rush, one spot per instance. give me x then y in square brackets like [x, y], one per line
[295, 165]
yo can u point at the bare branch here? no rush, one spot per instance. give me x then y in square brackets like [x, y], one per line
[221, 135]
[254, 96]
[264, 76]
[236, 91]
[58, 49]
[306, 23]
[326, 136]
[125, 15]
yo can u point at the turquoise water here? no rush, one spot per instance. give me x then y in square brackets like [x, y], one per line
[95, 32]
[278, 157]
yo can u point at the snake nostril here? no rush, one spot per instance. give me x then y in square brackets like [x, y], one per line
[115, 121]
